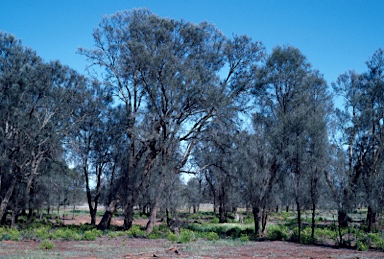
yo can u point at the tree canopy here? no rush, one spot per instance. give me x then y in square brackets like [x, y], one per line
[165, 98]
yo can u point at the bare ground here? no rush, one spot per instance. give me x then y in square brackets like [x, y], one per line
[135, 248]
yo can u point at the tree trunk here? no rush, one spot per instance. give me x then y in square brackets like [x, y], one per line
[128, 214]
[152, 218]
[342, 218]
[256, 217]
[313, 222]
[264, 219]
[298, 219]
[89, 197]
[105, 222]
[222, 217]
[7, 196]
[371, 219]
[14, 217]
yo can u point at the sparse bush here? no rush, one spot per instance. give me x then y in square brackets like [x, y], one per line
[46, 245]
[9, 234]
[113, 234]
[244, 238]
[210, 236]
[135, 231]
[214, 221]
[277, 232]
[91, 235]
[172, 237]
[305, 237]
[41, 232]
[187, 235]
[361, 246]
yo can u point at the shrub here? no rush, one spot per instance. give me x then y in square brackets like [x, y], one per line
[65, 234]
[156, 233]
[326, 233]
[113, 234]
[277, 232]
[46, 245]
[361, 246]
[306, 236]
[214, 221]
[172, 237]
[248, 220]
[187, 235]
[244, 238]
[9, 234]
[91, 235]
[210, 236]
[41, 232]
[135, 231]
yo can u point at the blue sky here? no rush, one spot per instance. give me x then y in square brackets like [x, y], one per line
[334, 35]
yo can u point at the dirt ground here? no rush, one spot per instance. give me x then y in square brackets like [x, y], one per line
[141, 248]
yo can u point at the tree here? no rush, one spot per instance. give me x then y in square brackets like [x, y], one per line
[37, 100]
[290, 96]
[166, 75]
[362, 129]
[90, 144]
[257, 171]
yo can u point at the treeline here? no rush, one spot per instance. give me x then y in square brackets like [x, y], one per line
[166, 97]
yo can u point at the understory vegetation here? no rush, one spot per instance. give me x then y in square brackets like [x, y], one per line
[205, 226]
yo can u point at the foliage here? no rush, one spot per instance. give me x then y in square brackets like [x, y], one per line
[244, 238]
[215, 220]
[172, 237]
[161, 231]
[9, 234]
[277, 232]
[305, 237]
[46, 245]
[136, 231]
[187, 236]
[210, 236]
[92, 234]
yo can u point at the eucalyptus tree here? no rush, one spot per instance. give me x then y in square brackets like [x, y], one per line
[90, 143]
[256, 170]
[166, 74]
[193, 192]
[292, 101]
[214, 159]
[37, 100]
[362, 128]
